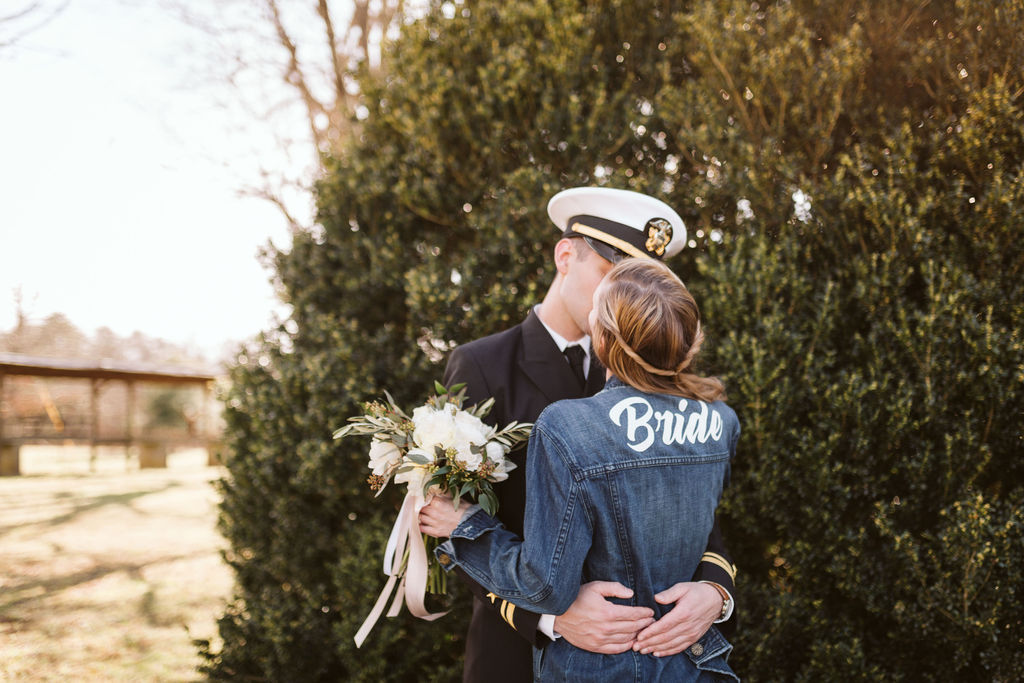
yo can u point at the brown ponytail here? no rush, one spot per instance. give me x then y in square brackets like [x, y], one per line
[647, 331]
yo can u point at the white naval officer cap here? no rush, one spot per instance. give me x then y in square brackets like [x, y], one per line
[618, 223]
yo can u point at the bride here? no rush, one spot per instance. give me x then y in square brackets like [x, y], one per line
[622, 486]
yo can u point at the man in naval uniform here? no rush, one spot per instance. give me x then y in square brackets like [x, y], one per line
[547, 358]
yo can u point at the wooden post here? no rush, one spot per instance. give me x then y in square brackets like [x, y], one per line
[204, 412]
[130, 420]
[212, 447]
[94, 421]
[10, 463]
[152, 455]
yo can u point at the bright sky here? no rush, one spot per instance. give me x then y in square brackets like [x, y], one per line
[114, 208]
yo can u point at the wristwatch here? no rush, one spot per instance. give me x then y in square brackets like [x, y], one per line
[726, 599]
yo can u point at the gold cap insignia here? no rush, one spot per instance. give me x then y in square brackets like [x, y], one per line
[659, 234]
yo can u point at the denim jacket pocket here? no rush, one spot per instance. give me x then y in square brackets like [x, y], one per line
[711, 654]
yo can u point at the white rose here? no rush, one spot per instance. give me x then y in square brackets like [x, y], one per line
[472, 429]
[433, 427]
[383, 456]
[496, 454]
[469, 431]
[470, 460]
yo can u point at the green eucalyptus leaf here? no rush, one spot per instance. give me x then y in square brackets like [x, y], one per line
[489, 502]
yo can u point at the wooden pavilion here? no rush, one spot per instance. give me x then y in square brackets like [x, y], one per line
[44, 422]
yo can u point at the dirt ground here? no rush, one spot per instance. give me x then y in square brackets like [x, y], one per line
[108, 572]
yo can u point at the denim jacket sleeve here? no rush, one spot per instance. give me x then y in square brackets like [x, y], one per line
[542, 573]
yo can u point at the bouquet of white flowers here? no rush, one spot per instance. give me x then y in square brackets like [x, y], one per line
[442, 448]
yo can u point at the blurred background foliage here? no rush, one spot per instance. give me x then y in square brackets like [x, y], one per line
[851, 177]
[55, 336]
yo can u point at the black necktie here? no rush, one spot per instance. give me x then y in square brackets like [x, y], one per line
[575, 355]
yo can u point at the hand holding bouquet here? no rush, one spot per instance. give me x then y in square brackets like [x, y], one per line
[442, 448]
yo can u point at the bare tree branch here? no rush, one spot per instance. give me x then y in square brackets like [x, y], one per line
[294, 75]
[22, 13]
[37, 10]
[339, 82]
[314, 60]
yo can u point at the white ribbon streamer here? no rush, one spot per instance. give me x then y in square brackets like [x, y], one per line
[405, 535]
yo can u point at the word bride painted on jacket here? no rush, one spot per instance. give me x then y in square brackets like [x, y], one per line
[643, 424]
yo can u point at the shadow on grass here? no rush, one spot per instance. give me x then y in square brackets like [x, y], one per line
[88, 505]
[17, 594]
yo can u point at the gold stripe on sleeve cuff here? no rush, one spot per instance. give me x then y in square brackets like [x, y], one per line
[507, 610]
[719, 561]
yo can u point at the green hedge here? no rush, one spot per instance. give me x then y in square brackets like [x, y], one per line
[851, 176]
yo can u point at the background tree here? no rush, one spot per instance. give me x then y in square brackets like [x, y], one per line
[56, 336]
[289, 69]
[873, 338]
[21, 18]
[850, 176]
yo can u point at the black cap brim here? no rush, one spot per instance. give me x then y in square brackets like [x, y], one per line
[605, 251]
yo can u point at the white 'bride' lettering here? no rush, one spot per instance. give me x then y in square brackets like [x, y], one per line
[700, 425]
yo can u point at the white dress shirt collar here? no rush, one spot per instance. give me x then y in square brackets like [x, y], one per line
[562, 342]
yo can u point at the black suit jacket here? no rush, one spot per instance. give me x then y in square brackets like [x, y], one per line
[523, 371]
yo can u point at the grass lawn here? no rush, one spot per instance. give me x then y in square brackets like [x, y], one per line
[108, 575]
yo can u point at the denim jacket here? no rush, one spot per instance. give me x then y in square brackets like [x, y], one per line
[621, 486]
